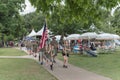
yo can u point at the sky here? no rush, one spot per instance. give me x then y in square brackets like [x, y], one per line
[29, 8]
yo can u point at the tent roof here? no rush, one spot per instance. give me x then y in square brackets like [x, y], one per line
[88, 35]
[33, 33]
[73, 37]
[39, 33]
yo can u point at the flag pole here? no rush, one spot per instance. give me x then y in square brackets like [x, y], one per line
[44, 36]
[46, 21]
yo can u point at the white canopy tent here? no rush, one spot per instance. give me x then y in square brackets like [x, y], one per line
[105, 36]
[33, 33]
[116, 36]
[39, 33]
[73, 37]
[58, 37]
[117, 42]
[88, 35]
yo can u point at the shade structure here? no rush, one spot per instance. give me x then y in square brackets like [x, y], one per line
[117, 42]
[105, 36]
[116, 36]
[39, 33]
[73, 37]
[29, 38]
[33, 33]
[88, 35]
[58, 37]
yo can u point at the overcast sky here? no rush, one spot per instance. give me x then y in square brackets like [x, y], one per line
[29, 8]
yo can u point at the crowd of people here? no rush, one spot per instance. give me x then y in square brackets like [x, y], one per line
[47, 54]
[7, 44]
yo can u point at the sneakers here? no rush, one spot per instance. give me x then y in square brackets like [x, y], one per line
[64, 66]
[51, 67]
[54, 61]
[41, 63]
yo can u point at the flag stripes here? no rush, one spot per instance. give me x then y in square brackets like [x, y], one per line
[44, 37]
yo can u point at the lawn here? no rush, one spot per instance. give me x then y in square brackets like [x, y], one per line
[105, 64]
[11, 52]
[23, 69]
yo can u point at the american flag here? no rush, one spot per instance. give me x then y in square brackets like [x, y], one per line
[44, 37]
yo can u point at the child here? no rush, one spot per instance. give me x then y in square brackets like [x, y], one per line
[65, 53]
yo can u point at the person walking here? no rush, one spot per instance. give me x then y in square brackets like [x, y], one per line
[41, 55]
[35, 46]
[65, 53]
[51, 55]
[28, 47]
[54, 45]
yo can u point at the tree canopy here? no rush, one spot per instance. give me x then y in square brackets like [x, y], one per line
[87, 10]
[115, 21]
[67, 16]
[65, 13]
[33, 21]
[10, 20]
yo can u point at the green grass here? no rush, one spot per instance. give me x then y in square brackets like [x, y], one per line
[11, 52]
[23, 69]
[105, 64]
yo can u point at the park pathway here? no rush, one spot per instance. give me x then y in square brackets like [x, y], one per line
[70, 73]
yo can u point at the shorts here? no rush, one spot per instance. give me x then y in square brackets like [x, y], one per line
[35, 50]
[65, 54]
[55, 52]
[42, 55]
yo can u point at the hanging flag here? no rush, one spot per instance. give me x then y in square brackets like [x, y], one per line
[44, 37]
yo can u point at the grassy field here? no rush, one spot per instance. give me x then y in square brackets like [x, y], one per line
[23, 69]
[11, 52]
[105, 64]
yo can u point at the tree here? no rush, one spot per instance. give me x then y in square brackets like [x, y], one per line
[33, 21]
[105, 24]
[9, 16]
[86, 10]
[75, 14]
[115, 22]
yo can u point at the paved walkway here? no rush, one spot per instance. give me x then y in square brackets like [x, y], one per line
[71, 73]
